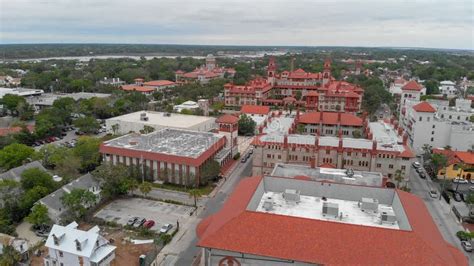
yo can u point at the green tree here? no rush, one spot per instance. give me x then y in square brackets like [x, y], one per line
[356, 134]
[439, 162]
[11, 103]
[14, 155]
[398, 177]
[431, 87]
[246, 125]
[145, 188]
[300, 128]
[115, 128]
[147, 129]
[114, 179]
[78, 201]
[31, 196]
[87, 150]
[33, 177]
[195, 194]
[87, 124]
[38, 215]
[10, 256]
[209, 171]
[132, 185]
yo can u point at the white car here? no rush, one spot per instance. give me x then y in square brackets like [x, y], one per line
[165, 228]
[433, 194]
[416, 165]
[460, 180]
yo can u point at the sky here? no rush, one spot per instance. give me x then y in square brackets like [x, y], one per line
[392, 23]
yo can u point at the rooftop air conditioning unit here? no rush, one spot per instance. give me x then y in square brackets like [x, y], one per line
[369, 205]
[268, 205]
[330, 209]
[388, 216]
[291, 195]
[143, 117]
[350, 172]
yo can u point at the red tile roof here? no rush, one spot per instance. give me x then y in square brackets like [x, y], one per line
[159, 83]
[412, 86]
[330, 118]
[12, 130]
[227, 119]
[406, 153]
[312, 93]
[424, 107]
[137, 88]
[234, 228]
[255, 109]
[465, 156]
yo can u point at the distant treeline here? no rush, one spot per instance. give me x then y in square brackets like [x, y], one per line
[23, 51]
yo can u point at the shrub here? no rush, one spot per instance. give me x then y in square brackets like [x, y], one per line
[237, 156]
[165, 238]
[462, 235]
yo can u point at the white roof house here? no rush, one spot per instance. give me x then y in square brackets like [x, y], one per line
[71, 246]
[189, 105]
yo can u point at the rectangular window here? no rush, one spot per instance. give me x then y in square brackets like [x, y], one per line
[61, 254]
[421, 118]
[390, 166]
[379, 165]
[403, 167]
[328, 151]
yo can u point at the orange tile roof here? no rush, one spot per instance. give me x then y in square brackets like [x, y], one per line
[227, 119]
[12, 130]
[137, 88]
[255, 109]
[406, 153]
[330, 118]
[424, 107]
[465, 156]
[158, 83]
[234, 228]
[412, 86]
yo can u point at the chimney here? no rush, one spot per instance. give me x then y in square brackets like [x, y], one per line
[285, 141]
[339, 117]
[374, 145]
[339, 133]
[340, 148]
[316, 141]
[297, 114]
[400, 131]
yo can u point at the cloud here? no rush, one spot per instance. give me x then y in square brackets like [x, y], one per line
[422, 23]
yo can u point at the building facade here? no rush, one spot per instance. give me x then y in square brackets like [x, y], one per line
[317, 91]
[68, 245]
[204, 74]
[384, 151]
[330, 124]
[169, 155]
[436, 124]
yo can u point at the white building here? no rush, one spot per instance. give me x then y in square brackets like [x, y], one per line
[436, 124]
[134, 122]
[396, 86]
[187, 105]
[69, 246]
[20, 92]
[112, 81]
[448, 88]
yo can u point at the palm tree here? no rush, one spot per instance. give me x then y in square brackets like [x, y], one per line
[145, 188]
[132, 185]
[195, 193]
[398, 177]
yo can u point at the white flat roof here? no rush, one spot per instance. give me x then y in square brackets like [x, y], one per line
[160, 119]
[279, 125]
[311, 207]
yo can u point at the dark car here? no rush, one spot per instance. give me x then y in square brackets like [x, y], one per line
[422, 175]
[244, 159]
[457, 197]
[139, 222]
[132, 220]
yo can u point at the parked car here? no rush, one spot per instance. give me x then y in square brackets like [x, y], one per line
[416, 165]
[460, 180]
[165, 228]
[457, 197]
[149, 224]
[418, 170]
[472, 181]
[251, 151]
[132, 220]
[466, 245]
[244, 159]
[471, 188]
[433, 194]
[139, 222]
[422, 175]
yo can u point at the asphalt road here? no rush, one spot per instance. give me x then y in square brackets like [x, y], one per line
[440, 211]
[213, 205]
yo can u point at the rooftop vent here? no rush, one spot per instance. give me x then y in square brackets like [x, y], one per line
[330, 209]
[133, 142]
[388, 216]
[143, 117]
[291, 195]
[369, 205]
[167, 114]
[268, 205]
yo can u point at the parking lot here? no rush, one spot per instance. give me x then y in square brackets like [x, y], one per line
[121, 210]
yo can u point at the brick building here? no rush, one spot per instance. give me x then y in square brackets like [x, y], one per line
[316, 91]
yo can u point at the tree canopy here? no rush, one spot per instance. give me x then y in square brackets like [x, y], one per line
[14, 155]
[246, 125]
